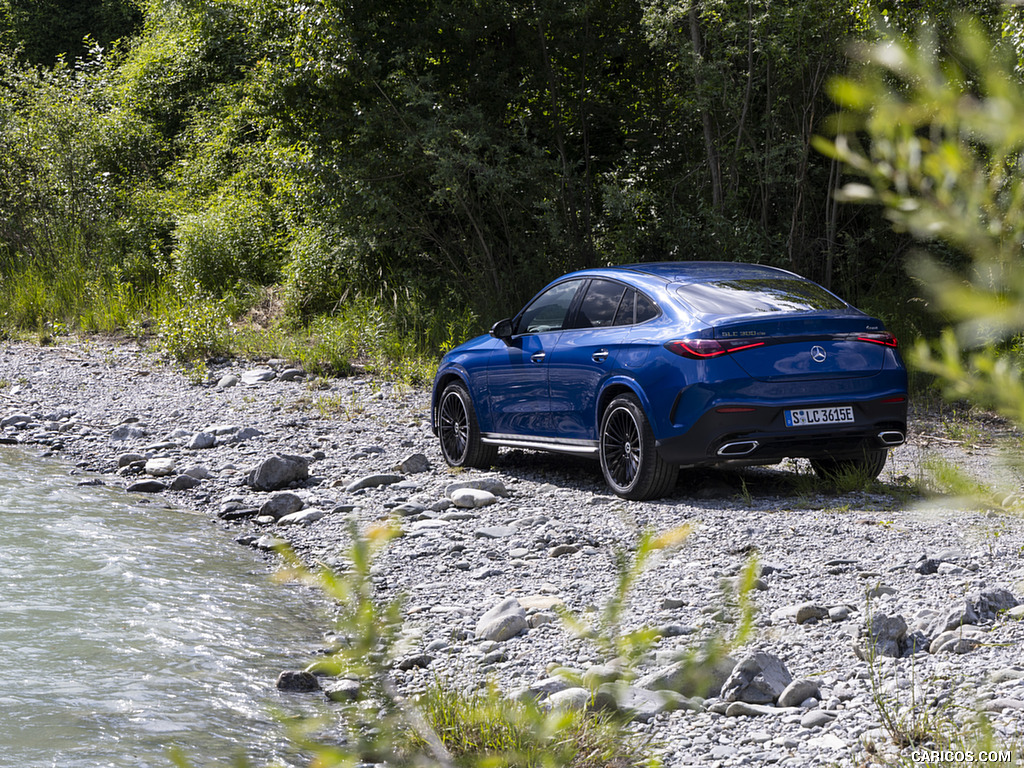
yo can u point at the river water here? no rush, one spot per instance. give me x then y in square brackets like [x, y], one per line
[127, 629]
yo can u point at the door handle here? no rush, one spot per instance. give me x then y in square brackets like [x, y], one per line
[600, 356]
[538, 357]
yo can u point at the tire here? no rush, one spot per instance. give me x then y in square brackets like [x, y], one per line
[867, 467]
[458, 431]
[629, 459]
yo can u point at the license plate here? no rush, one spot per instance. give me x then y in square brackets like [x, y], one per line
[809, 417]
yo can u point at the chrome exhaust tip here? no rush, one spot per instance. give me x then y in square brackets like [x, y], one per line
[741, 448]
[891, 437]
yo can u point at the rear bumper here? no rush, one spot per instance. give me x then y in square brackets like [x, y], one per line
[759, 434]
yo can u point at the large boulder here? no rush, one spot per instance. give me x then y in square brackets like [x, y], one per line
[759, 678]
[979, 607]
[281, 505]
[279, 471]
[691, 678]
[883, 636]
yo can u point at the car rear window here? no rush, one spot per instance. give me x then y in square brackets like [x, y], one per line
[742, 297]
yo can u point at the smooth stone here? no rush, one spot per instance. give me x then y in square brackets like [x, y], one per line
[489, 484]
[302, 517]
[473, 498]
[373, 481]
[798, 691]
[258, 376]
[160, 467]
[279, 471]
[298, 682]
[505, 620]
[147, 486]
[569, 698]
[817, 718]
[839, 613]
[201, 441]
[342, 690]
[184, 483]
[282, 504]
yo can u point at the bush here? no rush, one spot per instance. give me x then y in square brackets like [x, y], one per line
[195, 331]
[315, 273]
[226, 245]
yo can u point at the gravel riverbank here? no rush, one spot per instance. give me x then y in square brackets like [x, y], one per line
[272, 455]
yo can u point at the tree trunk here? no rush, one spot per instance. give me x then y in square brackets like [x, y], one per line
[714, 163]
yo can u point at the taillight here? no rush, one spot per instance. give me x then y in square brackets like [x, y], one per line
[886, 339]
[701, 349]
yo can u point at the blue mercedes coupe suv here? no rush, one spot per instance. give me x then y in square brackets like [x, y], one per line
[653, 367]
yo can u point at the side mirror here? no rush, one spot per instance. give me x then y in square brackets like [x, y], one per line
[502, 330]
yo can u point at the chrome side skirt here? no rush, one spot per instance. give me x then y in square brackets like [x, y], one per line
[555, 444]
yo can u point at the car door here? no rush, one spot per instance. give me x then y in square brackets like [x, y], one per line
[517, 376]
[585, 355]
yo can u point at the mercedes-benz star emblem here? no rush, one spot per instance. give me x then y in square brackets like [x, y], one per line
[818, 354]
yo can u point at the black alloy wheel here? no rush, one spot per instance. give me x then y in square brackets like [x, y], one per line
[458, 431]
[629, 459]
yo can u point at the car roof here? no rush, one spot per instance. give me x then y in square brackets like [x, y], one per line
[698, 271]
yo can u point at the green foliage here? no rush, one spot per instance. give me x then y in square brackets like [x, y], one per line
[440, 161]
[945, 142]
[481, 727]
[935, 129]
[316, 272]
[47, 30]
[195, 330]
[231, 242]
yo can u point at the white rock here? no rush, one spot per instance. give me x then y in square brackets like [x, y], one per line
[160, 467]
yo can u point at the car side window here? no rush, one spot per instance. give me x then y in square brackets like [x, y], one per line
[645, 309]
[625, 314]
[600, 304]
[548, 311]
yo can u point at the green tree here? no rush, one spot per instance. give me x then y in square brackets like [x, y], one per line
[46, 30]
